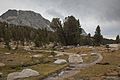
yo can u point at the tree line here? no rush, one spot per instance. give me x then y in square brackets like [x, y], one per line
[69, 33]
[21, 34]
[66, 33]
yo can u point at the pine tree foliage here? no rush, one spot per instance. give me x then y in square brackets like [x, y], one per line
[72, 30]
[98, 37]
[117, 39]
[59, 32]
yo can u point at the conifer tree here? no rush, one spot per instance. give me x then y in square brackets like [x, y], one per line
[59, 32]
[7, 36]
[98, 37]
[72, 30]
[117, 39]
[89, 39]
[38, 41]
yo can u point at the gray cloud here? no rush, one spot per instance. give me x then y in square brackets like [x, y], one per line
[54, 13]
[107, 10]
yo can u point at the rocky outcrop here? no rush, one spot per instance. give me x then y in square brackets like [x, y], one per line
[23, 74]
[75, 58]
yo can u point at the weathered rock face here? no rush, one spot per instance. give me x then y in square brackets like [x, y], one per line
[75, 58]
[23, 74]
[25, 18]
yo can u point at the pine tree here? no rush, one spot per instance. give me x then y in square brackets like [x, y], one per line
[117, 39]
[7, 36]
[98, 37]
[59, 32]
[89, 35]
[72, 30]
[38, 41]
[89, 39]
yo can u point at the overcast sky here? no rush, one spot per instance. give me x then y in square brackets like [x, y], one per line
[91, 13]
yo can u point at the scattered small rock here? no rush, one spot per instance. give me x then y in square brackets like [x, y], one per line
[37, 55]
[59, 55]
[27, 48]
[90, 46]
[1, 74]
[13, 48]
[61, 73]
[60, 61]
[93, 53]
[2, 64]
[7, 53]
[83, 54]
[50, 56]
[29, 52]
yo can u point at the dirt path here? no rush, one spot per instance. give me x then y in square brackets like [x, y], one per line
[75, 70]
[66, 74]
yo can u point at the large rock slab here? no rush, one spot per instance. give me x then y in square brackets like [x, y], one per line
[75, 58]
[23, 74]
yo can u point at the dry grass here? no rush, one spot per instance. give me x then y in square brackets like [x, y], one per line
[80, 50]
[45, 70]
[20, 59]
[98, 70]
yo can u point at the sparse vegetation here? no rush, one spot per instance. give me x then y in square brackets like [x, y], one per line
[99, 70]
[20, 59]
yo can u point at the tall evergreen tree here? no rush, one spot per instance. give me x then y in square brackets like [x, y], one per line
[117, 39]
[38, 38]
[72, 30]
[98, 37]
[89, 35]
[89, 39]
[7, 36]
[57, 27]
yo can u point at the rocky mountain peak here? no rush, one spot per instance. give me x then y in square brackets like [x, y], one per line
[25, 18]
